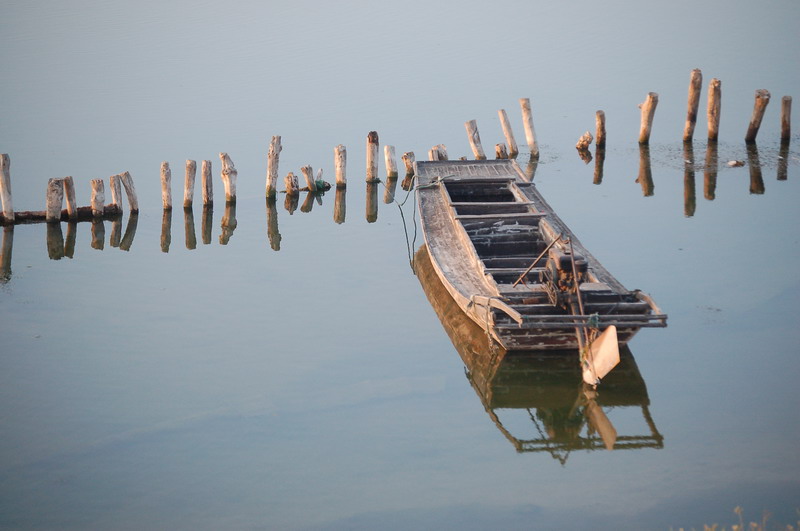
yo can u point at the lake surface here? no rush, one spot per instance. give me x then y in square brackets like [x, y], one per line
[208, 381]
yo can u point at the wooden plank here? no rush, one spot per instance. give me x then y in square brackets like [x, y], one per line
[529, 215]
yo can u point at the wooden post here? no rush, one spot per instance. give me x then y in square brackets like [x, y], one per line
[166, 229]
[648, 111]
[207, 183]
[273, 157]
[339, 206]
[206, 224]
[115, 183]
[372, 157]
[308, 173]
[5, 188]
[710, 171]
[5, 252]
[130, 190]
[689, 194]
[530, 132]
[584, 141]
[408, 160]
[439, 151]
[273, 234]
[190, 235]
[714, 108]
[391, 163]
[228, 223]
[474, 139]
[388, 192]
[786, 119]
[98, 234]
[188, 183]
[340, 165]
[762, 99]
[228, 175]
[166, 185]
[69, 195]
[98, 197]
[372, 202]
[55, 197]
[130, 231]
[291, 184]
[513, 150]
[600, 129]
[500, 151]
[433, 154]
[695, 85]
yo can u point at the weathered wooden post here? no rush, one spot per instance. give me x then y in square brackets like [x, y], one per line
[291, 184]
[513, 150]
[273, 158]
[710, 171]
[714, 108]
[648, 111]
[500, 151]
[55, 197]
[754, 164]
[166, 185]
[475, 139]
[762, 99]
[273, 234]
[130, 190]
[207, 183]
[115, 183]
[228, 175]
[188, 183]
[189, 230]
[55, 241]
[433, 154]
[339, 206]
[689, 194]
[600, 129]
[166, 229]
[408, 161]
[786, 119]
[390, 162]
[98, 197]
[340, 165]
[530, 132]
[228, 223]
[206, 223]
[372, 156]
[695, 85]
[69, 195]
[645, 178]
[98, 234]
[308, 173]
[388, 192]
[440, 152]
[584, 141]
[5, 253]
[130, 231]
[5, 188]
[372, 202]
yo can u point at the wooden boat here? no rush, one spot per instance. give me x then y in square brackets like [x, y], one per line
[485, 226]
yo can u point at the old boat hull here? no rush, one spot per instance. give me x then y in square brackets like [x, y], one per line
[484, 225]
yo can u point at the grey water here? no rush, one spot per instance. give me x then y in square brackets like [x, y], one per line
[210, 380]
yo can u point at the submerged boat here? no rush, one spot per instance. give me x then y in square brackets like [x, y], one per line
[514, 267]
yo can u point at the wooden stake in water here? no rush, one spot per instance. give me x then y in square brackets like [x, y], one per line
[291, 184]
[714, 108]
[273, 157]
[115, 183]
[166, 185]
[69, 195]
[340, 165]
[695, 85]
[530, 132]
[600, 129]
[786, 119]
[98, 197]
[408, 161]
[389, 160]
[438, 152]
[760, 106]
[513, 150]
[207, 183]
[308, 173]
[500, 151]
[55, 198]
[648, 111]
[188, 183]
[130, 190]
[584, 141]
[5, 188]
[339, 206]
[228, 175]
[372, 157]
[475, 139]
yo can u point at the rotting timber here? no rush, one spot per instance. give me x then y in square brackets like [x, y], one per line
[513, 266]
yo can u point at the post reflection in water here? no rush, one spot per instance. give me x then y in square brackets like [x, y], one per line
[228, 223]
[530, 169]
[273, 234]
[70, 239]
[188, 223]
[208, 221]
[754, 163]
[339, 205]
[689, 194]
[308, 203]
[116, 231]
[55, 241]
[710, 171]
[98, 234]
[130, 232]
[599, 160]
[6, 246]
[166, 230]
[372, 202]
[645, 178]
[783, 161]
[544, 389]
[291, 202]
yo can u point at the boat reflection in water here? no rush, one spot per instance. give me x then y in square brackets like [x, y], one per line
[542, 389]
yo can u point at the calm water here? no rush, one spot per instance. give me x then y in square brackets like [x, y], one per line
[236, 386]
